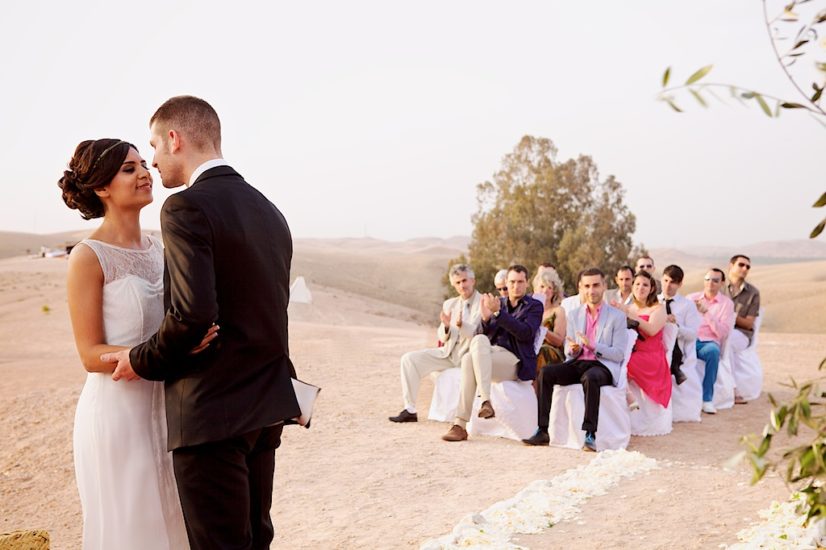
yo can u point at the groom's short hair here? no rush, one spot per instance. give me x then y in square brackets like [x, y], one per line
[193, 117]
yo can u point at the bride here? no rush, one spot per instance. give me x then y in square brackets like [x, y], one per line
[115, 292]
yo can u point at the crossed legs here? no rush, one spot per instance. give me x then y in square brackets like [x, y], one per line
[482, 365]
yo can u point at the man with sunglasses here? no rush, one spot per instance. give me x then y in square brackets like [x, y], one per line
[717, 311]
[460, 317]
[746, 300]
[500, 281]
[646, 263]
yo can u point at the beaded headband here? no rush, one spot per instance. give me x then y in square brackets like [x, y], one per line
[100, 156]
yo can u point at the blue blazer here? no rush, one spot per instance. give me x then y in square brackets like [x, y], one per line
[521, 327]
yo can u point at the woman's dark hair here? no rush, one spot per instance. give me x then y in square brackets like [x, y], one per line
[93, 165]
[651, 299]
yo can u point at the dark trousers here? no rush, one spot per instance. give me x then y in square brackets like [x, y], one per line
[226, 490]
[591, 374]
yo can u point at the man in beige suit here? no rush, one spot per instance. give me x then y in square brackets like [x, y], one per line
[460, 317]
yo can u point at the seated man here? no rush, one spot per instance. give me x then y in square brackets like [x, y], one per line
[595, 349]
[682, 313]
[500, 282]
[622, 294]
[746, 300]
[646, 263]
[504, 350]
[459, 323]
[717, 311]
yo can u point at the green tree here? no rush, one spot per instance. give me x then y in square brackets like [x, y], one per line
[537, 209]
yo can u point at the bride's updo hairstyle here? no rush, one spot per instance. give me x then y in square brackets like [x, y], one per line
[93, 165]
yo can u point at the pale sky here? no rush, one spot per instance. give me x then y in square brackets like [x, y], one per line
[379, 118]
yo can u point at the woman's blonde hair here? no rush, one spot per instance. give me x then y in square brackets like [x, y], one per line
[550, 278]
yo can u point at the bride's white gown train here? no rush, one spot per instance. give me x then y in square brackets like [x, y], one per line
[124, 472]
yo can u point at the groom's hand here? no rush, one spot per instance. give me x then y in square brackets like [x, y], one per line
[124, 365]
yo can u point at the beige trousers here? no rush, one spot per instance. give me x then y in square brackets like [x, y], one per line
[481, 366]
[415, 365]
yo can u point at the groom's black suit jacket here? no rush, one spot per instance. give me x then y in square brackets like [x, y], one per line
[228, 251]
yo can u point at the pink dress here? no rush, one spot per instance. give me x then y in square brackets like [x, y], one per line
[648, 367]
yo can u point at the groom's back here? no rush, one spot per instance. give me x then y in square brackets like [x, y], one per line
[242, 382]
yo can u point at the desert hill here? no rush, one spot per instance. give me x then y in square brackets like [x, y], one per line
[791, 275]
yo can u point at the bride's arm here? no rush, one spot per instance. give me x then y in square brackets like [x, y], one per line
[84, 286]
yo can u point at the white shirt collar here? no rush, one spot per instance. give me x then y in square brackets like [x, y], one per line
[204, 167]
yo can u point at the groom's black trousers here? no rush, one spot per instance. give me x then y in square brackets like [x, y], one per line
[226, 490]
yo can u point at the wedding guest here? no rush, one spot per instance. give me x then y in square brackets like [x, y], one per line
[548, 285]
[746, 300]
[622, 294]
[648, 366]
[500, 282]
[717, 312]
[595, 349]
[459, 318]
[646, 263]
[504, 350]
[683, 314]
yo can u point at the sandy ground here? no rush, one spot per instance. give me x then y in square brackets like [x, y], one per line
[356, 480]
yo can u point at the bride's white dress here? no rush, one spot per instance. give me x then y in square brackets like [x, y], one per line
[124, 472]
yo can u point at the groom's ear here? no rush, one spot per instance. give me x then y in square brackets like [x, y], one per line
[173, 138]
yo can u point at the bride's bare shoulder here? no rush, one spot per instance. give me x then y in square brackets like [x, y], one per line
[84, 262]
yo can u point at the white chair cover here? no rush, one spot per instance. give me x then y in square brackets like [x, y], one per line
[687, 398]
[746, 366]
[651, 418]
[515, 404]
[513, 400]
[724, 386]
[445, 399]
[568, 411]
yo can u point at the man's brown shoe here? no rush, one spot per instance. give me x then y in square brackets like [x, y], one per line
[486, 410]
[456, 433]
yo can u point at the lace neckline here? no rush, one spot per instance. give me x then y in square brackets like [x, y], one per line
[147, 249]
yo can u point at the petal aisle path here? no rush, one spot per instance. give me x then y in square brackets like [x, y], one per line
[543, 504]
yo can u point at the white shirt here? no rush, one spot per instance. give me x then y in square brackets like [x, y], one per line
[688, 322]
[204, 167]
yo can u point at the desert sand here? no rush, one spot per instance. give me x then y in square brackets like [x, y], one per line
[355, 480]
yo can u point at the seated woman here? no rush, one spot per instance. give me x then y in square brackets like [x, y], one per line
[547, 287]
[648, 366]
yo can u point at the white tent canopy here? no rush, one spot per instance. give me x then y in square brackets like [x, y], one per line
[299, 293]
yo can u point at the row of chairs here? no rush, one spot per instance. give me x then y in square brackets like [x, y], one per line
[515, 401]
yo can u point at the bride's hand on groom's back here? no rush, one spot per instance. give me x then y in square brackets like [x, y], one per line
[211, 335]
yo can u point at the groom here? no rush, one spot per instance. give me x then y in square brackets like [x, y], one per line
[227, 252]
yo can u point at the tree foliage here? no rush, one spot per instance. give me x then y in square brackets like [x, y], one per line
[794, 35]
[537, 209]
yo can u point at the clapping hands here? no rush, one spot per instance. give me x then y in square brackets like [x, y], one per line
[490, 304]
